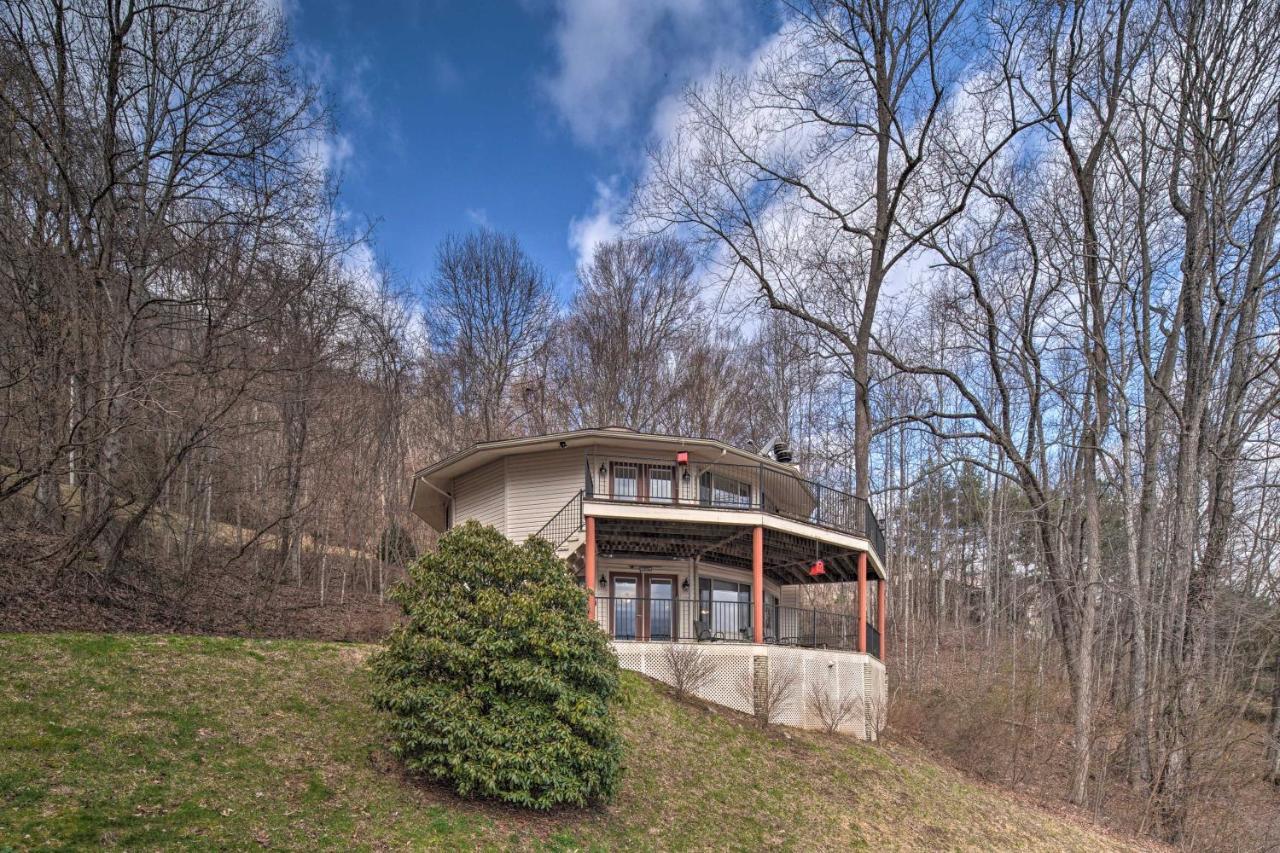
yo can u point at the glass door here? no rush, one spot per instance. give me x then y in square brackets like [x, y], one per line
[626, 618]
[660, 614]
[726, 608]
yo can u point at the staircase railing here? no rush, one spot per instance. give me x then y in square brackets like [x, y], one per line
[564, 523]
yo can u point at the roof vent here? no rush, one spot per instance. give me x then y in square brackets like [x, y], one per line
[782, 452]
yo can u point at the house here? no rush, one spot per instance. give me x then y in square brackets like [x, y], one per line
[694, 543]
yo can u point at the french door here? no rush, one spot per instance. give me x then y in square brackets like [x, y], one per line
[660, 609]
[644, 606]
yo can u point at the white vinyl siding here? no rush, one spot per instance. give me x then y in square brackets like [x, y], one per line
[538, 486]
[520, 492]
[481, 495]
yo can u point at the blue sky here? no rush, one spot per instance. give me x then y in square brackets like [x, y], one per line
[531, 117]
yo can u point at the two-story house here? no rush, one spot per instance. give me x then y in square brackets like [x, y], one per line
[691, 541]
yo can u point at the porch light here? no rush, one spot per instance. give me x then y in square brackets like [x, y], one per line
[603, 470]
[684, 585]
[817, 569]
[604, 579]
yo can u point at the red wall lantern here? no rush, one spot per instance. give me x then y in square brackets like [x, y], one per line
[682, 457]
[817, 569]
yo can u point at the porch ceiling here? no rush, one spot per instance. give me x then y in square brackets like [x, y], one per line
[787, 557]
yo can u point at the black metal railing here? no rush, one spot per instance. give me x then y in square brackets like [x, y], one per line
[874, 532]
[721, 485]
[679, 619]
[564, 523]
[700, 620]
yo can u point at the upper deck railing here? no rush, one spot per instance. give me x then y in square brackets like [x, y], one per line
[721, 485]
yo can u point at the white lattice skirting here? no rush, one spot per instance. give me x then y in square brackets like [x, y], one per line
[851, 685]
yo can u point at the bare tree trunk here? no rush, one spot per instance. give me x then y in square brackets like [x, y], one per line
[1272, 772]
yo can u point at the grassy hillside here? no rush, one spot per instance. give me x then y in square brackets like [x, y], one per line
[149, 741]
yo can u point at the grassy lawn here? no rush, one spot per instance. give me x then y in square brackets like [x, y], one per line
[142, 742]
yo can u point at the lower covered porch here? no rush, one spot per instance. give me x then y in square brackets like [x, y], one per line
[691, 582]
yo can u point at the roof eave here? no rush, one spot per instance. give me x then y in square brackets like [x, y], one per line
[595, 434]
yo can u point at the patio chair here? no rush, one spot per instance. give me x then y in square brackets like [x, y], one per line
[702, 630]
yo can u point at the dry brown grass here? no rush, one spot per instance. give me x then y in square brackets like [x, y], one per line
[1012, 729]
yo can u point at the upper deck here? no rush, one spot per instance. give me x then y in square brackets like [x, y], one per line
[682, 482]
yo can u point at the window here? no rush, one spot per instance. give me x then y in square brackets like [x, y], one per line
[636, 481]
[718, 490]
[626, 481]
[661, 480]
[725, 608]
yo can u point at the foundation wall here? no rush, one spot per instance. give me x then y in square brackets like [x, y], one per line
[850, 685]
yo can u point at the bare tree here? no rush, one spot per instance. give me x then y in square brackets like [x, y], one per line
[627, 334]
[832, 709]
[489, 309]
[809, 175]
[690, 667]
[170, 277]
[1272, 772]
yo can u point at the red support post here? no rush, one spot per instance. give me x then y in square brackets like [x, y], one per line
[881, 623]
[591, 568]
[862, 602]
[757, 584]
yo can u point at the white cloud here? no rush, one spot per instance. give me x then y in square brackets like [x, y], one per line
[617, 58]
[362, 265]
[344, 82]
[478, 216]
[620, 72]
[325, 155]
[600, 225]
[335, 151]
[355, 89]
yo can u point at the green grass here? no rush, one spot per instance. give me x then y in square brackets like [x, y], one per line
[147, 742]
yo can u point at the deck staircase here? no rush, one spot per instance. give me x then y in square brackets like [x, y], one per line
[565, 531]
[570, 546]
